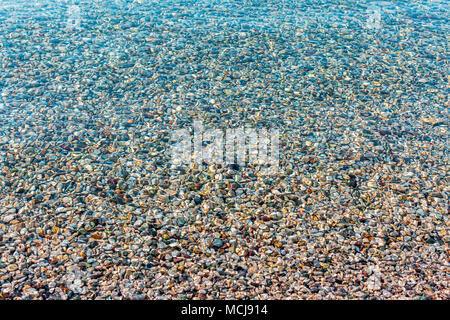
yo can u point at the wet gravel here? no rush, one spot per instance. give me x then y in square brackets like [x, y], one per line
[90, 208]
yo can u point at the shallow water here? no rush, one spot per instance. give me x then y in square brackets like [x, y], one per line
[91, 92]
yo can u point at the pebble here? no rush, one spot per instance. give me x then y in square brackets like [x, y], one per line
[218, 243]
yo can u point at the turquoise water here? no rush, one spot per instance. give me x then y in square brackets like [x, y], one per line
[90, 92]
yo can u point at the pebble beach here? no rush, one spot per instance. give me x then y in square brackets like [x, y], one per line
[90, 207]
